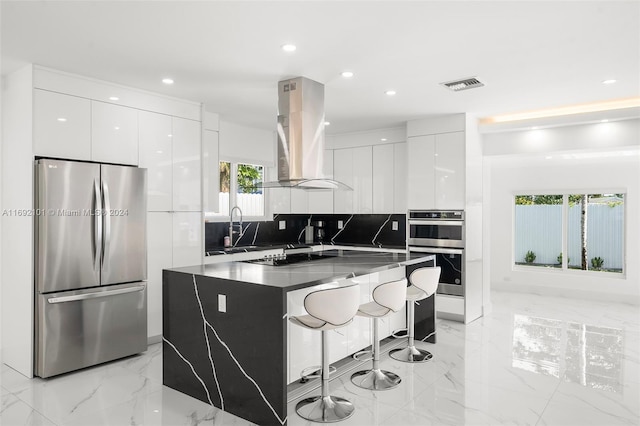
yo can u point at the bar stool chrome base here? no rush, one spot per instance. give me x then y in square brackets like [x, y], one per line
[375, 379]
[410, 354]
[324, 409]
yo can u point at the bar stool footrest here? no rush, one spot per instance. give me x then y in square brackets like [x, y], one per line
[400, 333]
[357, 356]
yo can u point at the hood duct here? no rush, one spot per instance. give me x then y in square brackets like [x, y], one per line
[301, 136]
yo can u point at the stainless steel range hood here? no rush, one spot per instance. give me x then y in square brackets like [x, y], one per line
[301, 136]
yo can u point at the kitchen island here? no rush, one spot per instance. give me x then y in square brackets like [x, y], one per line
[225, 326]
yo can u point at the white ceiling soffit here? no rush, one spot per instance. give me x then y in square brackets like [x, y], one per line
[228, 55]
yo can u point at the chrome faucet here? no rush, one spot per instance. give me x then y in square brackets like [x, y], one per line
[231, 231]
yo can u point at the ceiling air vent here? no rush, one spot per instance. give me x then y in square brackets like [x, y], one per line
[467, 83]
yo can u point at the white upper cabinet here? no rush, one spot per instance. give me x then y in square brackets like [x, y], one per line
[436, 167]
[353, 166]
[399, 178]
[322, 201]
[155, 156]
[450, 171]
[343, 172]
[420, 168]
[383, 178]
[114, 133]
[186, 165]
[210, 171]
[61, 126]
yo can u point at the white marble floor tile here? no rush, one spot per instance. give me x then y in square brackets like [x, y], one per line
[86, 392]
[367, 411]
[534, 360]
[165, 407]
[147, 364]
[560, 414]
[448, 402]
[15, 412]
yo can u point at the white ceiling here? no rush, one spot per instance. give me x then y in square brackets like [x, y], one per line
[227, 55]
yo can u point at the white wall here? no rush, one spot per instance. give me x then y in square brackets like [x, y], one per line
[545, 168]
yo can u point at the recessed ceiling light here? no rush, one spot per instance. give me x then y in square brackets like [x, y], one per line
[170, 135]
[116, 128]
[167, 80]
[288, 47]
[114, 98]
[390, 92]
[62, 119]
[347, 74]
[604, 121]
[610, 81]
[326, 123]
[158, 152]
[383, 139]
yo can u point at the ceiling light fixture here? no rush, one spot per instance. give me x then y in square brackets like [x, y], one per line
[289, 47]
[114, 98]
[390, 92]
[567, 110]
[167, 80]
[62, 119]
[383, 139]
[347, 74]
[604, 121]
[326, 123]
[609, 81]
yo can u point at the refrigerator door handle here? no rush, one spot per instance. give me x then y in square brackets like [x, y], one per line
[97, 228]
[106, 215]
[94, 295]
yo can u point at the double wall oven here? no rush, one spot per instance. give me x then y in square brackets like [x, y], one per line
[441, 233]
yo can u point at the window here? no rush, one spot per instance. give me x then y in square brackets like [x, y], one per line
[588, 227]
[239, 186]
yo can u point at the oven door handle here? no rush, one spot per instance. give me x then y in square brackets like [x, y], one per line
[436, 250]
[436, 222]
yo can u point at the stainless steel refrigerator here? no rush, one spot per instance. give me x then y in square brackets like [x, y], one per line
[90, 264]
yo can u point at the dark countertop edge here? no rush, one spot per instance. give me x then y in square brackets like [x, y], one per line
[246, 249]
[312, 283]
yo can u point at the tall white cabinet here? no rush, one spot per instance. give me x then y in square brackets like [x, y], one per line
[47, 113]
[444, 166]
[170, 150]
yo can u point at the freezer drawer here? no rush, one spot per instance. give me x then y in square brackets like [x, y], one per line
[77, 329]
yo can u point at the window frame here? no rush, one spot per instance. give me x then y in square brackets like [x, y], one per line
[564, 269]
[233, 193]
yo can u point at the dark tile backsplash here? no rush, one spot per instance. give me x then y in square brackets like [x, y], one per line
[373, 230]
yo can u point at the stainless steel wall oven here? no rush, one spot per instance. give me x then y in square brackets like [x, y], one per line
[441, 233]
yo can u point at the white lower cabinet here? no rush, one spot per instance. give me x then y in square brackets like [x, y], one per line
[159, 257]
[304, 345]
[173, 240]
[187, 239]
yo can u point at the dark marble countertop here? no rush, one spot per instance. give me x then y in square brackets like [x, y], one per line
[338, 265]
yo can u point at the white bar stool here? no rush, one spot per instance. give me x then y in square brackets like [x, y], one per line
[424, 283]
[387, 298]
[328, 309]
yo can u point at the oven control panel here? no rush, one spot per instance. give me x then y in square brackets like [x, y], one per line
[437, 214]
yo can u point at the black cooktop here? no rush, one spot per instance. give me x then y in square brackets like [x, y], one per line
[290, 259]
